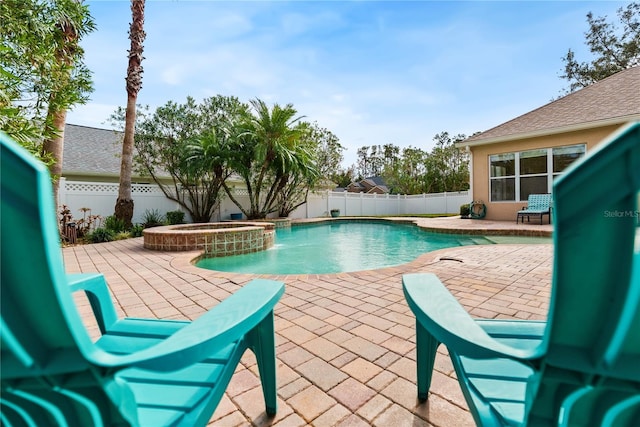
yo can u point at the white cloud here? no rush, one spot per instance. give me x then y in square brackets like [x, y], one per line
[371, 72]
[173, 75]
[92, 115]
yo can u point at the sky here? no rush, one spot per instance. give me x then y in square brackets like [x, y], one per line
[371, 72]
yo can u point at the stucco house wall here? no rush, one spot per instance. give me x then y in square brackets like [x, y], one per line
[507, 210]
[587, 116]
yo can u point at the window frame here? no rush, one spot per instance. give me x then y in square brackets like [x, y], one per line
[549, 174]
[516, 168]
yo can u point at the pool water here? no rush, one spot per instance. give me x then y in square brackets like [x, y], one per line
[340, 246]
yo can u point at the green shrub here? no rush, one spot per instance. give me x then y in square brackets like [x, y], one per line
[114, 224]
[136, 230]
[175, 217]
[100, 235]
[152, 218]
[123, 235]
[465, 210]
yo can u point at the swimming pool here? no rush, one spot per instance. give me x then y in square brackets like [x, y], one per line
[340, 246]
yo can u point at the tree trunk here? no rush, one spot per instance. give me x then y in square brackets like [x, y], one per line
[124, 204]
[54, 147]
[57, 108]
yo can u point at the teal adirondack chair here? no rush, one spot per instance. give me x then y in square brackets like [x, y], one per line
[582, 366]
[140, 372]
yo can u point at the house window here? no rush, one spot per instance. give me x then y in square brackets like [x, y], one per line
[503, 176]
[564, 156]
[533, 172]
[514, 176]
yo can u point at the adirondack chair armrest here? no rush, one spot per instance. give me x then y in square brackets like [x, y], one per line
[225, 323]
[95, 287]
[442, 316]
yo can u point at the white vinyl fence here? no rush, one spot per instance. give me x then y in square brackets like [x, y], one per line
[361, 204]
[100, 198]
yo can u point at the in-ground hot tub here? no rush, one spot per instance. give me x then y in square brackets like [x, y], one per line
[215, 239]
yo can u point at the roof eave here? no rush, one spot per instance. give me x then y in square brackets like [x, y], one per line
[550, 131]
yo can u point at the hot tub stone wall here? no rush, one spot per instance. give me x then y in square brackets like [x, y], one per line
[215, 239]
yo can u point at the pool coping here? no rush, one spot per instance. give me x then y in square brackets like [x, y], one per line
[454, 225]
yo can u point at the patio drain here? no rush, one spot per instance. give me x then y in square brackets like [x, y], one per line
[444, 258]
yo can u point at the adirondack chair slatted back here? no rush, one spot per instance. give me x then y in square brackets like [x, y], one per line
[594, 316]
[32, 270]
[42, 334]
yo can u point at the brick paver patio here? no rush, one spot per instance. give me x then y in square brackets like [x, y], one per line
[345, 342]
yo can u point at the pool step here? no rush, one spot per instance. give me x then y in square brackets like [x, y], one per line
[482, 241]
[465, 241]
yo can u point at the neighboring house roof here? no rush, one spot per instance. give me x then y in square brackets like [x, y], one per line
[373, 184]
[355, 186]
[378, 190]
[374, 180]
[614, 100]
[91, 151]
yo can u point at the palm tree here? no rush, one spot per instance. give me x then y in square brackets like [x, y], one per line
[70, 79]
[124, 203]
[269, 150]
[299, 181]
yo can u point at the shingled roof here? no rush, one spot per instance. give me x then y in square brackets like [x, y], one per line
[91, 151]
[614, 100]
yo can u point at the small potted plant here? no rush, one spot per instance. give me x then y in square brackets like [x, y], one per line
[465, 210]
[335, 213]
